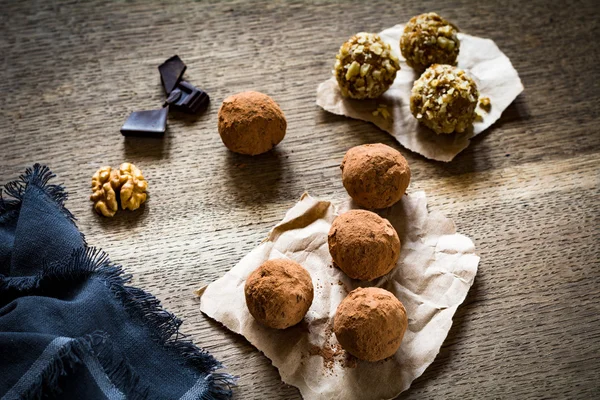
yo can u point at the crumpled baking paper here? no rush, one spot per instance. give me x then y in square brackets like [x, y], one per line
[493, 72]
[436, 268]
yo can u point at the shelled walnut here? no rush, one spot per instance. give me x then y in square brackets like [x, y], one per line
[104, 196]
[127, 181]
[365, 67]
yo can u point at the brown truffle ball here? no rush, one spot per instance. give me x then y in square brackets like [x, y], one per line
[429, 39]
[279, 293]
[444, 99]
[370, 323]
[251, 123]
[375, 175]
[365, 67]
[363, 245]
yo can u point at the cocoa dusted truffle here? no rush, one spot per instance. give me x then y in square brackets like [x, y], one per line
[370, 323]
[429, 39]
[365, 67]
[251, 123]
[375, 175]
[363, 245]
[279, 293]
[444, 99]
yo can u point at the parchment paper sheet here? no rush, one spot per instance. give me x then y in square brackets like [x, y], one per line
[437, 267]
[493, 72]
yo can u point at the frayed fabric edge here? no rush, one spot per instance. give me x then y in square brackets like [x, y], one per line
[91, 263]
[39, 175]
[163, 324]
[87, 261]
[77, 353]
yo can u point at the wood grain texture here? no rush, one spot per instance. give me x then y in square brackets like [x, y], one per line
[526, 191]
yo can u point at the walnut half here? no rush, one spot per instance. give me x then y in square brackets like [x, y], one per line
[133, 186]
[127, 181]
[104, 196]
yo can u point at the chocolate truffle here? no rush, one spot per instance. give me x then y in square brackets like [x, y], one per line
[444, 99]
[370, 323]
[375, 175]
[279, 293]
[365, 66]
[251, 123]
[429, 39]
[363, 245]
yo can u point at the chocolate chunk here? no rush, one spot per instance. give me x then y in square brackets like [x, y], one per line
[171, 72]
[146, 123]
[191, 100]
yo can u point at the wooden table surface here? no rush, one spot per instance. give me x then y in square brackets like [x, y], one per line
[526, 191]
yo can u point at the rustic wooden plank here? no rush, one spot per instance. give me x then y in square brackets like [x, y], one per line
[526, 191]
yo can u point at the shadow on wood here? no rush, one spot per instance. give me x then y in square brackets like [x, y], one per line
[190, 119]
[150, 148]
[255, 179]
[123, 219]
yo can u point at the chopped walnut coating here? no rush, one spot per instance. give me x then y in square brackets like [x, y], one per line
[104, 195]
[133, 186]
[444, 99]
[429, 39]
[365, 67]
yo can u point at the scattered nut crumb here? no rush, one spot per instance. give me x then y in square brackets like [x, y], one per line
[485, 103]
[383, 111]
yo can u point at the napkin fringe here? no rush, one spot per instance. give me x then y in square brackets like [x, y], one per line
[88, 261]
[163, 324]
[72, 355]
[38, 175]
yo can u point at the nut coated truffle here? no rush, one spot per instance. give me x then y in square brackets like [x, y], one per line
[363, 245]
[370, 323]
[279, 293]
[365, 67]
[429, 39]
[444, 99]
[251, 123]
[375, 175]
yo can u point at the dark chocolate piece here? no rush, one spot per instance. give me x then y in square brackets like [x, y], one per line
[191, 100]
[171, 72]
[146, 123]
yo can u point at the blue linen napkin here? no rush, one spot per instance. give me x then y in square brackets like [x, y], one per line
[70, 326]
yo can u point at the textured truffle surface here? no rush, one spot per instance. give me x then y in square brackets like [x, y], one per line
[444, 99]
[370, 323]
[251, 123]
[365, 67]
[375, 175]
[279, 293]
[429, 39]
[363, 245]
